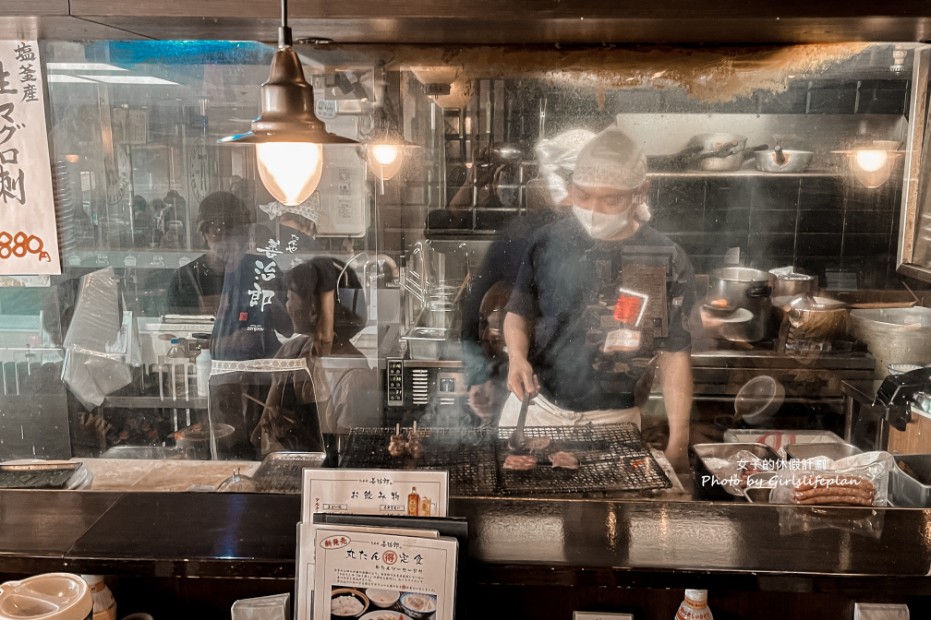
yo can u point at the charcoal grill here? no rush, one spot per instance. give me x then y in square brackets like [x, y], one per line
[611, 458]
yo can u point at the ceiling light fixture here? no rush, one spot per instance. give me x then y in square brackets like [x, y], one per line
[288, 136]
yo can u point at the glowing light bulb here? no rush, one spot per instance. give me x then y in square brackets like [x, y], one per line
[290, 171]
[385, 154]
[871, 160]
[385, 160]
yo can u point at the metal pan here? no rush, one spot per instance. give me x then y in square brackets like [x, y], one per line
[782, 160]
[733, 161]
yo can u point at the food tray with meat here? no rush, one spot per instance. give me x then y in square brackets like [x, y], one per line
[555, 459]
[282, 472]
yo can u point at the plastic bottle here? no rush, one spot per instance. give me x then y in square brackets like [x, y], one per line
[177, 369]
[695, 606]
[104, 603]
[203, 363]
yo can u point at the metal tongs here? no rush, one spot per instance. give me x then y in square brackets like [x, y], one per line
[517, 441]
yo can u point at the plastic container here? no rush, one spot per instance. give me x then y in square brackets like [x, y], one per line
[694, 606]
[759, 399]
[104, 603]
[177, 369]
[50, 596]
[203, 363]
[893, 335]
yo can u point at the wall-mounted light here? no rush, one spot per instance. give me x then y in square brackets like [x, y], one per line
[385, 159]
[386, 149]
[289, 137]
[872, 164]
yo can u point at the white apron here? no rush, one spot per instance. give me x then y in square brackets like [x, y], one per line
[542, 412]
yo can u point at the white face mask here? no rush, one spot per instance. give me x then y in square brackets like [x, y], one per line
[601, 225]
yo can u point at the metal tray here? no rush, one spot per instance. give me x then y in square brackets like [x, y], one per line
[833, 450]
[425, 343]
[717, 487]
[37, 475]
[282, 472]
[905, 489]
[778, 439]
[759, 487]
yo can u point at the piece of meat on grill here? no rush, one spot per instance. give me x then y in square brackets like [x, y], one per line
[397, 445]
[520, 462]
[538, 444]
[564, 460]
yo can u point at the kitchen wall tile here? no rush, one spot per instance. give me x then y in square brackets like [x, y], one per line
[865, 222]
[832, 97]
[726, 220]
[764, 247]
[815, 244]
[821, 222]
[775, 193]
[821, 193]
[883, 96]
[730, 193]
[868, 245]
[791, 101]
[773, 221]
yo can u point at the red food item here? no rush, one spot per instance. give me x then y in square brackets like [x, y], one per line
[565, 460]
[520, 462]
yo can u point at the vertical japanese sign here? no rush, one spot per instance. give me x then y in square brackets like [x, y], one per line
[28, 234]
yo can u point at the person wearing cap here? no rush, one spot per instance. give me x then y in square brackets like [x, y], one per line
[223, 221]
[600, 300]
[546, 196]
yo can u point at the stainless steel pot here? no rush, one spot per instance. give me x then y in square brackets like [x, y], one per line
[744, 287]
[790, 283]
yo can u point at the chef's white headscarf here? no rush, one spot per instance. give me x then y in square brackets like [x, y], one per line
[613, 159]
[557, 157]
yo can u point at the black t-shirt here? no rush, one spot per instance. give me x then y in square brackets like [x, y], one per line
[195, 288]
[567, 288]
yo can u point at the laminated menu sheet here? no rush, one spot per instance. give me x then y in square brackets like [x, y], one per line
[364, 572]
[360, 491]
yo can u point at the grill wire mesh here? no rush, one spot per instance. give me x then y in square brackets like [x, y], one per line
[611, 458]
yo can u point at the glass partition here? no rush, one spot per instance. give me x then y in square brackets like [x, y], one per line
[381, 301]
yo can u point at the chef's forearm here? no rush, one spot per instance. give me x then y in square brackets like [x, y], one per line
[517, 336]
[676, 382]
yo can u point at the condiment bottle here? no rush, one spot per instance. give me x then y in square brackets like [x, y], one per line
[104, 603]
[695, 606]
[413, 502]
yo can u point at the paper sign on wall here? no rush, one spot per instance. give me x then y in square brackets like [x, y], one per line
[28, 233]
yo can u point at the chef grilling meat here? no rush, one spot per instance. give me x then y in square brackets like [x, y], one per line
[600, 297]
